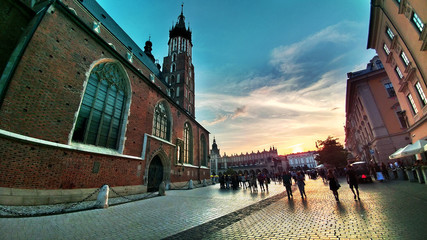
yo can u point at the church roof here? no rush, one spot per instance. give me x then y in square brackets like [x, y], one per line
[107, 21]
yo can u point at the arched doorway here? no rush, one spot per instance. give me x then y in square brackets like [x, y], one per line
[155, 174]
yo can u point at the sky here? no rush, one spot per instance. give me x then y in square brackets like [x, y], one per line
[267, 73]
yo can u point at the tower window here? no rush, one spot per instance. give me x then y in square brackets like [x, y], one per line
[173, 67]
[103, 107]
[174, 44]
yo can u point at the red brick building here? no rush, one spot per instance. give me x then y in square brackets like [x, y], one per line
[81, 105]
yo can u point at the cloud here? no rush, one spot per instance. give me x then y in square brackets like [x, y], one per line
[301, 100]
[311, 51]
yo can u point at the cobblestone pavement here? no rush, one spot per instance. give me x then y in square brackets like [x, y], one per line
[392, 210]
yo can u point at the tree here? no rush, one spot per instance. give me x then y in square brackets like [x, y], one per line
[331, 152]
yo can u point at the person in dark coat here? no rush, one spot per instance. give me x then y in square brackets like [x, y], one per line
[287, 182]
[333, 184]
[301, 184]
[352, 181]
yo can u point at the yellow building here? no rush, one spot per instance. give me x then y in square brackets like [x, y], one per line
[375, 125]
[398, 33]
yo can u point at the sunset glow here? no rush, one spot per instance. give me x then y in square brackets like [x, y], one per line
[264, 75]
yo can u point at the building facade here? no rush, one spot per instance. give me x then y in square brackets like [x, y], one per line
[254, 162]
[81, 105]
[303, 160]
[375, 123]
[398, 33]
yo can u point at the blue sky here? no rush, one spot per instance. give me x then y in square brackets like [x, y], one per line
[267, 73]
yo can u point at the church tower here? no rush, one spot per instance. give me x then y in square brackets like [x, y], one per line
[178, 69]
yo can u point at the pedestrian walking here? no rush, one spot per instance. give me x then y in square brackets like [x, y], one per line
[301, 184]
[294, 176]
[385, 171]
[261, 179]
[352, 181]
[333, 184]
[253, 185]
[267, 181]
[287, 182]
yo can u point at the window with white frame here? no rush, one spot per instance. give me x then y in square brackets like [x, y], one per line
[386, 49]
[417, 21]
[390, 33]
[399, 73]
[412, 104]
[404, 58]
[421, 94]
[102, 110]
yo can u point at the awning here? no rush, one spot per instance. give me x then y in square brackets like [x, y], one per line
[397, 154]
[419, 146]
[415, 148]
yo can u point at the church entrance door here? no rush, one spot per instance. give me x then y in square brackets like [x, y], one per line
[155, 174]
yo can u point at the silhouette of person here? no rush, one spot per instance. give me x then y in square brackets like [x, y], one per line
[333, 184]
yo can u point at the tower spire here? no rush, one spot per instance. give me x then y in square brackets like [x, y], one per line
[182, 8]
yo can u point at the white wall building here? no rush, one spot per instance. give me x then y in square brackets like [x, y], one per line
[303, 159]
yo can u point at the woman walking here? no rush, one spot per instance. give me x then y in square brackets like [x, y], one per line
[301, 184]
[333, 184]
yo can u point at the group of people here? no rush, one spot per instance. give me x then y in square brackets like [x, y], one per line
[329, 177]
[247, 181]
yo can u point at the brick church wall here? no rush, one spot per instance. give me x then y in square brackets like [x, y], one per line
[42, 102]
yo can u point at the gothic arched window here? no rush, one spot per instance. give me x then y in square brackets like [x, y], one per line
[204, 151]
[102, 110]
[161, 121]
[188, 144]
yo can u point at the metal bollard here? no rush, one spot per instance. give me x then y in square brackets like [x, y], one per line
[190, 184]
